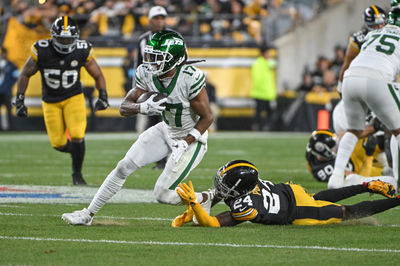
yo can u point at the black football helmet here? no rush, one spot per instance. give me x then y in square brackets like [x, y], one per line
[323, 143]
[65, 34]
[235, 178]
[373, 16]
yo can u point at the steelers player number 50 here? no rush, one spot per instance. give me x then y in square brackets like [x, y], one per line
[55, 79]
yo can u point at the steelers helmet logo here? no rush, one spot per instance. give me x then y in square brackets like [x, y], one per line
[319, 146]
[74, 63]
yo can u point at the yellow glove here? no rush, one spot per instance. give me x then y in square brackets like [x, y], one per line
[187, 193]
[184, 218]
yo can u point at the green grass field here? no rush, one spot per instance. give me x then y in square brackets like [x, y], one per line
[140, 234]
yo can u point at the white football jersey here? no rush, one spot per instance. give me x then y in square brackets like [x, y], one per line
[381, 52]
[185, 85]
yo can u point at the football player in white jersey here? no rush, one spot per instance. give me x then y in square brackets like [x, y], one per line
[182, 135]
[369, 83]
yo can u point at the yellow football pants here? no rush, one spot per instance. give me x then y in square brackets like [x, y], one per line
[68, 114]
[314, 212]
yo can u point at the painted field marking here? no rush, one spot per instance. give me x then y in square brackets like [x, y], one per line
[97, 216]
[67, 194]
[160, 243]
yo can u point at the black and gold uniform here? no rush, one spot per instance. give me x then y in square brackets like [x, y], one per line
[59, 61]
[259, 201]
[357, 39]
[63, 100]
[60, 72]
[283, 204]
[323, 169]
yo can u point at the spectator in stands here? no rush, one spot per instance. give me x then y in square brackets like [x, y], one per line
[263, 88]
[322, 65]
[8, 77]
[338, 60]
[307, 82]
[279, 19]
[112, 19]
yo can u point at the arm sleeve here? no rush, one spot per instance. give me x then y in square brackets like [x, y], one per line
[203, 217]
[246, 215]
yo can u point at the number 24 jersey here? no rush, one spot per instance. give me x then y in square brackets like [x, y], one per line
[268, 204]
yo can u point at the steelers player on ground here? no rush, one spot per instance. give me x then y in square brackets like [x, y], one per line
[363, 165]
[181, 136]
[59, 61]
[260, 201]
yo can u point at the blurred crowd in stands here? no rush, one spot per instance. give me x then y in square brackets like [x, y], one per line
[324, 76]
[223, 22]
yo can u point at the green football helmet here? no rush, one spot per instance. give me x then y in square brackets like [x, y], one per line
[165, 50]
[394, 16]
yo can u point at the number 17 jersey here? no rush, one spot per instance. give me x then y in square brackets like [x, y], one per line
[180, 89]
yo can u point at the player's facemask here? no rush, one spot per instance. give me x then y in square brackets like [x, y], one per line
[155, 60]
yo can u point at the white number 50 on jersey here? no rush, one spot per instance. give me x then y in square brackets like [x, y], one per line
[54, 78]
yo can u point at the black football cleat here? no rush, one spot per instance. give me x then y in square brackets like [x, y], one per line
[78, 180]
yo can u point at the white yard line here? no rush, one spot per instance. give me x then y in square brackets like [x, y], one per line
[160, 243]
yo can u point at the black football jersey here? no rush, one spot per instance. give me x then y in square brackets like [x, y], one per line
[267, 204]
[358, 38]
[60, 72]
[322, 170]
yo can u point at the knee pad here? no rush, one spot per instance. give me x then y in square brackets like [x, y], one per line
[125, 168]
[167, 196]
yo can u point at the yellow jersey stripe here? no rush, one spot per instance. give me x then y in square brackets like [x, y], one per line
[309, 221]
[237, 165]
[90, 54]
[34, 53]
[247, 215]
[65, 23]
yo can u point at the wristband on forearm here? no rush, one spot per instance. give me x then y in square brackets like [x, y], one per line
[195, 133]
[20, 96]
[103, 94]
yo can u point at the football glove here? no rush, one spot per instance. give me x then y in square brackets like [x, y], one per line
[187, 193]
[184, 218]
[102, 102]
[21, 109]
[178, 148]
[369, 144]
[150, 107]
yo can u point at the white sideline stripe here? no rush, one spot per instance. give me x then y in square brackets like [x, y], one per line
[102, 217]
[196, 244]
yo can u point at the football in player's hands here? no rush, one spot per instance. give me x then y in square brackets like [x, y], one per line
[159, 96]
